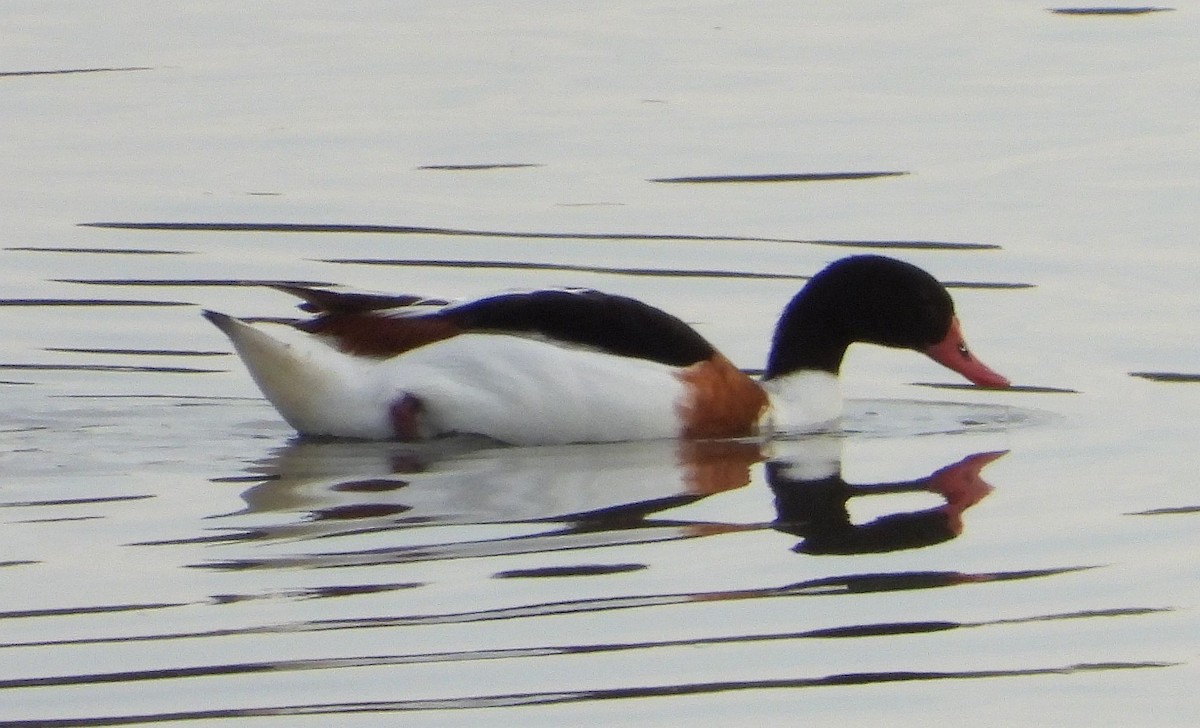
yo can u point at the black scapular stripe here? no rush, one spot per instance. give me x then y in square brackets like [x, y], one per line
[609, 323]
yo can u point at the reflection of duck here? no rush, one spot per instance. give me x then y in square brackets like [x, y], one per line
[577, 496]
[562, 366]
[470, 481]
[810, 501]
[489, 500]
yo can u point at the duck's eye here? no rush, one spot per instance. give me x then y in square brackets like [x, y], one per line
[962, 349]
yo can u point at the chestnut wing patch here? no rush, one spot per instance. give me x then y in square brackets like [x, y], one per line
[378, 335]
[366, 324]
[613, 324]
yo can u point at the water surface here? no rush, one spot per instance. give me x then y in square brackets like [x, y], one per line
[171, 552]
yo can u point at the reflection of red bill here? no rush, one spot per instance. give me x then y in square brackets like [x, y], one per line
[961, 485]
[952, 352]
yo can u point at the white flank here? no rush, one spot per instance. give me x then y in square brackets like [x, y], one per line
[518, 390]
[804, 401]
[530, 392]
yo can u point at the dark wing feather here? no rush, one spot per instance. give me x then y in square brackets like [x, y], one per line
[319, 300]
[614, 324]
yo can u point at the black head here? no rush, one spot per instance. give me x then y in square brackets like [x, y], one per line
[866, 298]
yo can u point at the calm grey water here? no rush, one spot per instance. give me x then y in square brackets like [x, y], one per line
[170, 552]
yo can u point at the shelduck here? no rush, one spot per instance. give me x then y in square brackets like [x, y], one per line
[574, 365]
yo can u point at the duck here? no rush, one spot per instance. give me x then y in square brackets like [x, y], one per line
[573, 365]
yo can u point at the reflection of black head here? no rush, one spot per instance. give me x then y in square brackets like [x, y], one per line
[816, 511]
[897, 532]
[804, 505]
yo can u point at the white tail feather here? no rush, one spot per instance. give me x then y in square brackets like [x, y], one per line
[317, 389]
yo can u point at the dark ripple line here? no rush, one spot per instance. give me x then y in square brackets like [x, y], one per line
[193, 282]
[74, 502]
[478, 167]
[167, 397]
[63, 519]
[283, 227]
[1175, 511]
[1173, 377]
[886, 629]
[1022, 388]
[316, 592]
[619, 270]
[773, 178]
[134, 352]
[63, 71]
[1110, 11]
[505, 700]
[120, 368]
[86, 302]
[556, 572]
[99, 251]
[73, 611]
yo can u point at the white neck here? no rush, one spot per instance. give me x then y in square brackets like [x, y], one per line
[804, 401]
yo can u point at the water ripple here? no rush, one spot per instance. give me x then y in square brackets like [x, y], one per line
[350, 228]
[824, 587]
[860, 631]
[578, 696]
